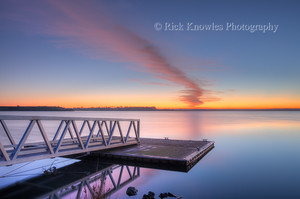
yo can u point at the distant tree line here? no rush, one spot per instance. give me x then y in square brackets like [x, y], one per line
[151, 108]
[57, 108]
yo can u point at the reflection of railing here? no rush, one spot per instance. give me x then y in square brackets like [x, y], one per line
[84, 179]
[101, 134]
[94, 186]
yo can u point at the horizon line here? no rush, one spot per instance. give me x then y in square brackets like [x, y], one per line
[149, 108]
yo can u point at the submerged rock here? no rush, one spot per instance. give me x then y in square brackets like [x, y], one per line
[131, 191]
[151, 194]
[171, 195]
[163, 195]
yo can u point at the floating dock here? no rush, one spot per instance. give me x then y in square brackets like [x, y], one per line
[115, 143]
[179, 155]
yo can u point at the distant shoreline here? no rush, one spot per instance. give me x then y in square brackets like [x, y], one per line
[57, 108]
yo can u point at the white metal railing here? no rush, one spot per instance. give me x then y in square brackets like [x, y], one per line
[101, 134]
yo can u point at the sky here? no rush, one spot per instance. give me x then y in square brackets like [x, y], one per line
[167, 54]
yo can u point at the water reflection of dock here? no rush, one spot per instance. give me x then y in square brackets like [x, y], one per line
[88, 179]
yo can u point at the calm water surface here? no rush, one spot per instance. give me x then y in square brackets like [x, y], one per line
[256, 153]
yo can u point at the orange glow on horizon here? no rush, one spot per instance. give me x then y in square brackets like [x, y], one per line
[158, 106]
[160, 101]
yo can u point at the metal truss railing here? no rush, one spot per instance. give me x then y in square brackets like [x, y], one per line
[100, 133]
[101, 184]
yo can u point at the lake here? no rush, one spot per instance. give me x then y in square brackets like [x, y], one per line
[256, 153]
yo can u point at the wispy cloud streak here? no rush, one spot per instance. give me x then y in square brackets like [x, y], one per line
[83, 27]
[149, 83]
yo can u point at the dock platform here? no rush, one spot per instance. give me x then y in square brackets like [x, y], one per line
[179, 155]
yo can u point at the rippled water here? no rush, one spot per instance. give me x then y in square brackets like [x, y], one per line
[256, 153]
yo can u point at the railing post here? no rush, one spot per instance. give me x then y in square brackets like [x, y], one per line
[4, 153]
[138, 130]
[62, 137]
[23, 139]
[58, 130]
[11, 139]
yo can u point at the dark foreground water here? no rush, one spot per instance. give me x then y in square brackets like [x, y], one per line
[256, 154]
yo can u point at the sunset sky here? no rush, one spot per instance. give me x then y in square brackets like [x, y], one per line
[127, 53]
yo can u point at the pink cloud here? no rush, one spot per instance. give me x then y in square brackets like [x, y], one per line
[149, 83]
[80, 25]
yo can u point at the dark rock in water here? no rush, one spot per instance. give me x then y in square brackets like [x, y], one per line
[163, 195]
[171, 195]
[146, 196]
[131, 191]
[151, 195]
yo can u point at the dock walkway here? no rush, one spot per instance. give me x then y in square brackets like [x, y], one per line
[64, 139]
